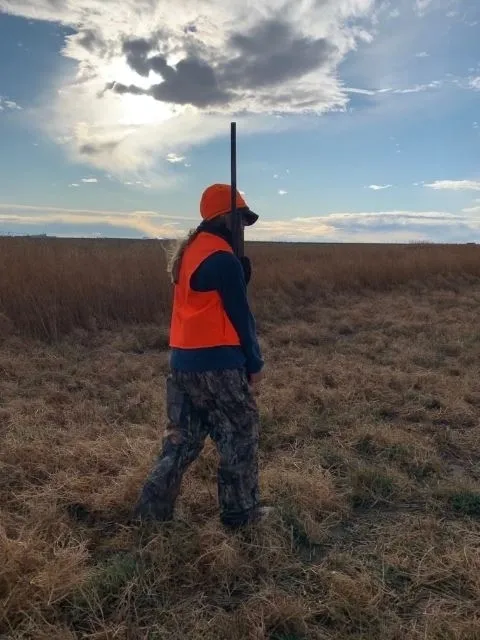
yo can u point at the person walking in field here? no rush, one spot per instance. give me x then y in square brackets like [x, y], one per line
[215, 365]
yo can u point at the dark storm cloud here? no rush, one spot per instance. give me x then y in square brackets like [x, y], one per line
[136, 52]
[56, 4]
[268, 55]
[191, 81]
[273, 53]
[93, 149]
[302, 99]
[118, 87]
[90, 40]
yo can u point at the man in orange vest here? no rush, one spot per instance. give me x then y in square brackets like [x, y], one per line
[215, 362]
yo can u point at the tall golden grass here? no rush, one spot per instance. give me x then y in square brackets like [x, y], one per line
[50, 286]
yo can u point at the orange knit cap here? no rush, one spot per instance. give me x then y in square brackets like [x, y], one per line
[216, 201]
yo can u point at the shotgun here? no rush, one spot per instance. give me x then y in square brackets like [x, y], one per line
[237, 226]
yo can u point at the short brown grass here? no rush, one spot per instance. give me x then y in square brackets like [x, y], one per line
[369, 450]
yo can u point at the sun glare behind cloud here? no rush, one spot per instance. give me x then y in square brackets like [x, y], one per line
[118, 70]
[143, 110]
[136, 110]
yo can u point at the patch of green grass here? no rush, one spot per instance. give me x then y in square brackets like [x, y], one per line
[104, 588]
[332, 459]
[396, 578]
[421, 470]
[406, 459]
[466, 503]
[371, 487]
[401, 454]
[433, 404]
[397, 452]
[115, 573]
[367, 446]
[272, 425]
[387, 413]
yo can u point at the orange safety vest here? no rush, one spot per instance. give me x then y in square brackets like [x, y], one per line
[199, 319]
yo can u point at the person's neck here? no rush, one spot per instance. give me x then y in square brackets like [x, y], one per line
[220, 230]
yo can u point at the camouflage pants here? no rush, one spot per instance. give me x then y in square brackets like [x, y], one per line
[218, 404]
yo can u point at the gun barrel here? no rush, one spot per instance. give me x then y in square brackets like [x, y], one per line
[237, 229]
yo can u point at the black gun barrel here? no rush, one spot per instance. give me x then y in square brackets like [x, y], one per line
[237, 228]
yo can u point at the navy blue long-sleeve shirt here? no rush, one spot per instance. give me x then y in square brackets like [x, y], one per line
[223, 272]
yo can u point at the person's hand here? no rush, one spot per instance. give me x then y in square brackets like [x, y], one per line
[256, 379]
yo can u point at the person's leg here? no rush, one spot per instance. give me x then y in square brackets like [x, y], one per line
[183, 441]
[234, 424]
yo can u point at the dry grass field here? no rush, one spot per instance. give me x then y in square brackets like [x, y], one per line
[370, 450]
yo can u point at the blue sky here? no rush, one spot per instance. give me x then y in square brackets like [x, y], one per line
[358, 120]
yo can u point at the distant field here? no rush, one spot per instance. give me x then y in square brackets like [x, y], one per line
[50, 286]
[370, 450]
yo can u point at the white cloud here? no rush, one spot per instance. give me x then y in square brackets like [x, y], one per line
[361, 92]
[282, 192]
[90, 180]
[474, 83]
[422, 5]
[395, 13]
[386, 226]
[377, 226]
[138, 183]
[148, 222]
[175, 77]
[472, 210]
[276, 176]
[74, 184]
[418, 88]
[379, 187]
[173, 158]
[9, 105]
[422, 54]
[455, 185]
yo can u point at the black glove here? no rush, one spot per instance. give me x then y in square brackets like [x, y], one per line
[247, 268]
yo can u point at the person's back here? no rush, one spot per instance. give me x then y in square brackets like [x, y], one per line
[199, 319]
[215, 358]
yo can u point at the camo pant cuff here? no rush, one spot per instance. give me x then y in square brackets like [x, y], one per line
[236, 520]
[153, 511]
